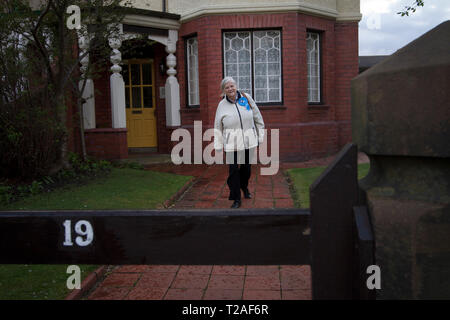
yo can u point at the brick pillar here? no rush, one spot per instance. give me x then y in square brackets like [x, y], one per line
[107, 143]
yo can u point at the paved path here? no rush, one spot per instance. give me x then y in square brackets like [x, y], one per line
[175, 282]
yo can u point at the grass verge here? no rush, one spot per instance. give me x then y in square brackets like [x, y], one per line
[302, 178]
[121, 189]
[36, 281]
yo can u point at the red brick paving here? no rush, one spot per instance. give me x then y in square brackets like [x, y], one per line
[223, 294]
[146, 293]
[184, 294]
[206, 283]
[156, 280]
[170, 282]
[228, 270]
[262, 295]
[109, 293]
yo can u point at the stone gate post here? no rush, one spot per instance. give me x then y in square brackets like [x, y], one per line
[401, 119]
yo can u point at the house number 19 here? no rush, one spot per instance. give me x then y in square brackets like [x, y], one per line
[84, 231]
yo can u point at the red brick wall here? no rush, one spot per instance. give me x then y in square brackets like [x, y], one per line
[107, 143]
[305, 130]
[103, 116]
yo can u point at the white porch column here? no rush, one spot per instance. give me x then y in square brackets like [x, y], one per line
[172, 87]
[117, 86]
[88, 93]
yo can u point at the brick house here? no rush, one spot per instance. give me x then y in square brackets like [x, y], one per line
[296, 58]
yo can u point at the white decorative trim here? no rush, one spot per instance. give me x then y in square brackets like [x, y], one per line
[172, 88]
[172, 91]
[119, 119]
[89, 121]
[268, 7]
[161, 39]
[117, 84]
[116, 55]
[349, 17]
[88, 93]
[151, 22]
[129, 36]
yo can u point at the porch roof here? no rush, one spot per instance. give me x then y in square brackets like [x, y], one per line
[152, 13]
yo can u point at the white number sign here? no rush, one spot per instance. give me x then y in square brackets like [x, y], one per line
[84, 231]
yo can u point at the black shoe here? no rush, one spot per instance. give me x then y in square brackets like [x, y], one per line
[247, 194]
[236, 204]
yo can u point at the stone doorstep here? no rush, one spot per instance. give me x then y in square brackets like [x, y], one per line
[88, 283]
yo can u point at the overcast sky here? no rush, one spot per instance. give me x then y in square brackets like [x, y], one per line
[382, 31]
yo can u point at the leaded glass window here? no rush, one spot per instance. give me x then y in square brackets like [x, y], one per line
[238, 59]
[192, 68]
[313, 62]
[267, 62]
[253, 59]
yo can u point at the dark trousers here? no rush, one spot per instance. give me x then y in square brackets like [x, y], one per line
[238, 176]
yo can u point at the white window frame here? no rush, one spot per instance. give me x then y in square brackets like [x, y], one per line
[252, 75]
[192, 72]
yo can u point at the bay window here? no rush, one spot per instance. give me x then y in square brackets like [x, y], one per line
[253, 59]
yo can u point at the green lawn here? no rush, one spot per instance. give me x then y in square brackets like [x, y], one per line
[302, 178]
[37, 281]
[122, 189]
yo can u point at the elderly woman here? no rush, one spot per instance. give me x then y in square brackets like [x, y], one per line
[239, 128]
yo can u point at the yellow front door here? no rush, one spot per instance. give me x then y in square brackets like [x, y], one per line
[140, 104]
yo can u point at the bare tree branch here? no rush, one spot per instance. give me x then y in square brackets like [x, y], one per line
[38, 43]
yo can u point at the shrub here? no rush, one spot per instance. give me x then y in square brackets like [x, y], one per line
[6, 195]
[31, 135]
[79, 172]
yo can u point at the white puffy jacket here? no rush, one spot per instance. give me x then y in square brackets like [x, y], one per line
[236, 127]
